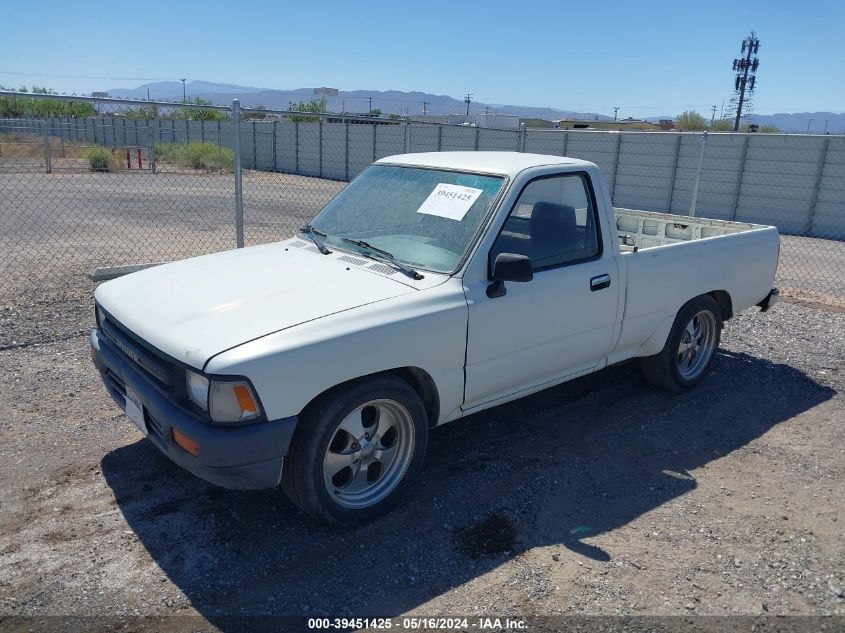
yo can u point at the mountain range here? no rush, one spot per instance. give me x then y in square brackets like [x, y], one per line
[413, 104]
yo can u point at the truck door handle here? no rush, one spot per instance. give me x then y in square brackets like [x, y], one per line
[599, 283]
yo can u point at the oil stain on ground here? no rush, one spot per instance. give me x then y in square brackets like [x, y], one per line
[493, 536]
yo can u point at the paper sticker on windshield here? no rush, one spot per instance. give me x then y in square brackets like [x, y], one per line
[450, 201]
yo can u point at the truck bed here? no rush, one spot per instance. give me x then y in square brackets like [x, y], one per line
[646, 229]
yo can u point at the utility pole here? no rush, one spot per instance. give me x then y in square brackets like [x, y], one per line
[425, 108]
[713, 116]
[184, 94]
[371, 103]
[809, 123]
[746, 69]
[615, 112]
[468, 100]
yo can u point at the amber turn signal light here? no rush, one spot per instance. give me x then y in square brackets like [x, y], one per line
[185, 442]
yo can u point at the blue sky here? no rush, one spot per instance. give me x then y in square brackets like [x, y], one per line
[647, 58]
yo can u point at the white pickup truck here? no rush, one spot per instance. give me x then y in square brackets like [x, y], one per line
[431, 287]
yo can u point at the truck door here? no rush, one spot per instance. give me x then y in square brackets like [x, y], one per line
[562, 321]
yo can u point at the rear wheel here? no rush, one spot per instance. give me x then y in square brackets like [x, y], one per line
[356, 450]
[690, 348]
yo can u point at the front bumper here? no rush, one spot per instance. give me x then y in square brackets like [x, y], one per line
[239, 457]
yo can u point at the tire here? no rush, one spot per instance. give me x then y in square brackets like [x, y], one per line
[680, 366]
[356, 450]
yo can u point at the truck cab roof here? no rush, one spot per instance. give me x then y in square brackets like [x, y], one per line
[500, 163]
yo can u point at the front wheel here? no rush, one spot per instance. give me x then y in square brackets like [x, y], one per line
[356, 450]
[690, 348]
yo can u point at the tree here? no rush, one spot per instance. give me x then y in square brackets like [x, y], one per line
[770, 129]
[256, 113]
[145, 112]
[24, 106]
[202, 114]
[315, 105]
[375, 112]
[690, 121]
[722, 125]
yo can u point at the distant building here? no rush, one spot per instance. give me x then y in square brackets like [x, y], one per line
[596, 124]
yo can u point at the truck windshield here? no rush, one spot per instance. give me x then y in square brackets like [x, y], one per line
[425, 218]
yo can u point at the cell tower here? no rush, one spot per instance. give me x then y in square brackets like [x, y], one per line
[745, 79]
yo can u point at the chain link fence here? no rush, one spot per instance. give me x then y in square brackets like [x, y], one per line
[145, 182]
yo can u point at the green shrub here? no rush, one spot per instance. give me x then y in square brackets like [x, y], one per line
[196, 155]
[101, 159]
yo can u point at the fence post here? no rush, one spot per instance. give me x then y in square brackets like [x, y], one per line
[375, 140]
[47, 159]
[254, 146]
[523, 133]
[674, 173]
[565, 143]
[236, 150]
[477, 137]
[819, 174]
[346, 153]
[694, 200]
[151, 124]
[407, 137]
[616, 166]
[320, 141]
[738, 189]
[296, 145]
[439, 138]
[275, 160]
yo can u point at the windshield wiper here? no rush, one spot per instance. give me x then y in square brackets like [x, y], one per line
[379, 254]
[315, 235]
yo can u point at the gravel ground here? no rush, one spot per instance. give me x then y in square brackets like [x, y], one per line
[601, 496]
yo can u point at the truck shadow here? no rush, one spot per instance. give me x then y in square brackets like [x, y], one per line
[557, 468]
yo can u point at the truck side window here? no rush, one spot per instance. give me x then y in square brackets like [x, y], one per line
[553, 222]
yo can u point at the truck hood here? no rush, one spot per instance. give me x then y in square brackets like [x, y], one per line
[196, 308]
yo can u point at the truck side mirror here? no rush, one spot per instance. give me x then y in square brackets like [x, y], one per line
[509, 267]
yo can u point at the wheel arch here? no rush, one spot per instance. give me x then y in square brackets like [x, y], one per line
[417, 378]
[723, 298]
[655, 343]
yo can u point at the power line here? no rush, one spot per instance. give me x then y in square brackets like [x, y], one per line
[20, 74]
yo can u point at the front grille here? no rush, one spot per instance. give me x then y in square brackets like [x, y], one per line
[142, 356]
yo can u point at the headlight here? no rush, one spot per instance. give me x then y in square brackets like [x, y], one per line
[197, 389]
[223, 400]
